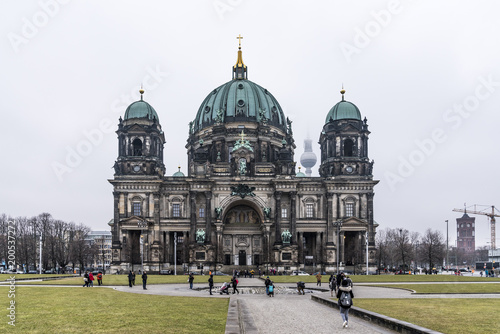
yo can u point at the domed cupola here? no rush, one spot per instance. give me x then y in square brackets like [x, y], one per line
[344, 142]
[236, 106]
[140, 142]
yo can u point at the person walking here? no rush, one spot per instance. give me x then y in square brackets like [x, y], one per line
[345, 296]
[211, 283]
[91, 279]
[99, 278]
[130, 278]
[234, 281]
[133, 278]
[86, 279]
[338, 279]
[267, 282]
[332, 284]
[318, 279]
[191, 280]
[144, 279]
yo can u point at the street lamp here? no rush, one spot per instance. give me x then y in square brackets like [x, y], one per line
[447, 263]
[142, 224]
[338, 224]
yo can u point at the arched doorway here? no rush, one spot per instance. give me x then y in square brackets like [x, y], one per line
[242, 236]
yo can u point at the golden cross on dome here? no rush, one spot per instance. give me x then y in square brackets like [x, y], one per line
[239, 38]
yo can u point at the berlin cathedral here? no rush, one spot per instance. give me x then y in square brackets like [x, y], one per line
[243, 204]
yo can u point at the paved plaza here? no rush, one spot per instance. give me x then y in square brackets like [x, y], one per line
[286, 312]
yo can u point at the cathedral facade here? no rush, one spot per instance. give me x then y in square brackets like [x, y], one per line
[242, 204]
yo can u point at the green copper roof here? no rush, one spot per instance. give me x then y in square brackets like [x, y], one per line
[300, 174]
[178, 174]
[141, 109]
[239, 101]
[343, 110]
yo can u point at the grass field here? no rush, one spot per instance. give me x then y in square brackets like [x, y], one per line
[113, 280]
[52, 310]
[454, 316]
[388, 278]
[4, 277]
[448, 288]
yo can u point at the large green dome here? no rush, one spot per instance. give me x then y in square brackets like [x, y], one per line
[141, 109]
[239, 100]
[343, 110]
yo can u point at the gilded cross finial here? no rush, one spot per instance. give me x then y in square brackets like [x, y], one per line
[141, 91]
[342, 91]
[239, 41]
[242, 136]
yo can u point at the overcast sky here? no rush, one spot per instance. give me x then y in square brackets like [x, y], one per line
[424, 73]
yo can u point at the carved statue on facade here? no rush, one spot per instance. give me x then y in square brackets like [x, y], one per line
[286, 236]
[267, 212]
[200, 236]
[218, 213]
[243, 167]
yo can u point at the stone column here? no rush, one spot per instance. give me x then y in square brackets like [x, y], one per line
[369, 215]
[208, 215]
[300, 242]
[156, 217]
[146, 211]
[125, 204]
[166, 248]
[192, 230]
[277, 217]
[318, 248]
[186, 246]
[293, 217]
[116, 219]
[329, 218]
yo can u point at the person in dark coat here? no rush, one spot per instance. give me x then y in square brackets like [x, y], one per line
[234, 281]
[191, 280]
[133, 278]
[130, 278]
[346, 287]
[211, 283]
[267, 282]
[144, 279]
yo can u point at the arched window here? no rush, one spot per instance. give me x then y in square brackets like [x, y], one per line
[348, 148]
[349, 207]
[137, 146]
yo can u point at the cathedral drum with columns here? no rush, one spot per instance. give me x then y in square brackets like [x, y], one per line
[242, 204]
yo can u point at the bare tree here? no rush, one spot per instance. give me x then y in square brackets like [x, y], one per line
[433, 247]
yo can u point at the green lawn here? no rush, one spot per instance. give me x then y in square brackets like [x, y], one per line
[455, 316]
[68, 310]
[4, 277]
[123, 280]
[448, 288]
[388, 278]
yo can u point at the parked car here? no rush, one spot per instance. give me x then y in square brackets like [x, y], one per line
[32, 271]
[299, 273]
[220, 273]
[165, 272]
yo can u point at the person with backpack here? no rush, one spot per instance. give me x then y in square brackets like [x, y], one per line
[345, 296]
[235, 282]
[332, 282]
[271, 289]
[99, 278]
[267, 282]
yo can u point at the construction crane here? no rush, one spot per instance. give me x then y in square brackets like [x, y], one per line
[491, 215]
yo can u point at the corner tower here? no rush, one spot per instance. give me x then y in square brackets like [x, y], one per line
[344, 142]
[140, 142]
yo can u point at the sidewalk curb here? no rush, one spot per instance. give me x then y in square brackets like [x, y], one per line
[378, 319]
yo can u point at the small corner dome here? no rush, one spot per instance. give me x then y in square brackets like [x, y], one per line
[300, 174]
[179, 173]
[141, 109]
[343, 110]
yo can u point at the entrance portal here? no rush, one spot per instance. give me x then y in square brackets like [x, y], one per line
[243, 258]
